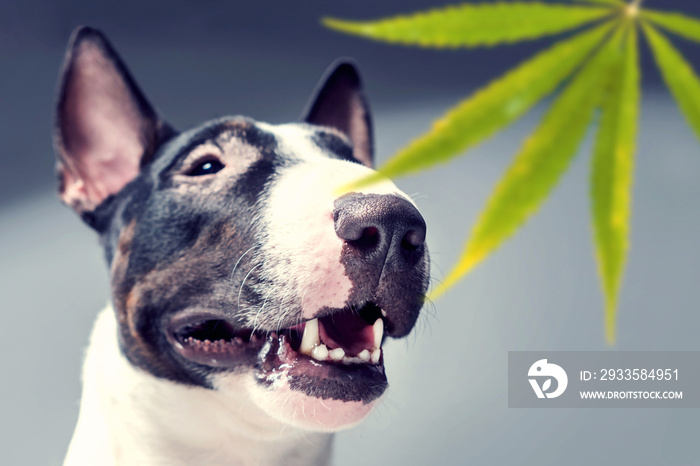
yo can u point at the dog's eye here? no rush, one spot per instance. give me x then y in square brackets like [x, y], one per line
[206, 167]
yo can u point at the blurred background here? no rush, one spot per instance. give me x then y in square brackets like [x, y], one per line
[447, 402]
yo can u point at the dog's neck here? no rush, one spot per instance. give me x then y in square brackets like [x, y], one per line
[128, 416]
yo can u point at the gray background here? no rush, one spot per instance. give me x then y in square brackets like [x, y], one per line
[448, 398]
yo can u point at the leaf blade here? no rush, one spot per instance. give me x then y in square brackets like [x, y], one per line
[607, 2]
[492, 108]
[612, 169]
[678, 75]
[677, 23]
[536, 169]
[473, 25]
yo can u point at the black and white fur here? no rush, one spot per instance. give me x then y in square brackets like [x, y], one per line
[225, 243]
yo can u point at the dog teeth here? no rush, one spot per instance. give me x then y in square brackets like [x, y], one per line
[364, 355]
[337, 354]
[311, 346]
[378, 328]
[310, 338]
[320, 353]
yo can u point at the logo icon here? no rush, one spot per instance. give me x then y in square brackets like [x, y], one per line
[545, 371]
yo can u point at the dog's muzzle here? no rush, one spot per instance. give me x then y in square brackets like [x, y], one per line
[337, 353]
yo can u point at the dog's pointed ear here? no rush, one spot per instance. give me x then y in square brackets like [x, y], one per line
[339, 102]
[105, 129]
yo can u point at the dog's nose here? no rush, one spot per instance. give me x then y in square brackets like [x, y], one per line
[387, 230]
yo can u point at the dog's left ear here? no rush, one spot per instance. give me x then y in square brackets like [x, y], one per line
[340, 103]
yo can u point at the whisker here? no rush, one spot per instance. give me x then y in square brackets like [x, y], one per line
[416, 196]
[240, 291]
[239, 261]
[255, 321]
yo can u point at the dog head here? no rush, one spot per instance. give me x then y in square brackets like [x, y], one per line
[236, 262]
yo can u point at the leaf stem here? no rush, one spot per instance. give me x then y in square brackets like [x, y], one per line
[632, 9]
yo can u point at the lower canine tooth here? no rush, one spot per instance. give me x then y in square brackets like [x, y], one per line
[320, 353]
[364, 355]
[375, 355]
[337, 354]
[310, 338]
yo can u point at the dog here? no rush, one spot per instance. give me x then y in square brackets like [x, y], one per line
[251, 292]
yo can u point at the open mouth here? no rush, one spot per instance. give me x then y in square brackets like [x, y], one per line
[341, 351]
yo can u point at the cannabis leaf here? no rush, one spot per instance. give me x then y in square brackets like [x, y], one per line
[599, 73]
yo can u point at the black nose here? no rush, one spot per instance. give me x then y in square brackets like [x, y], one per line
[386, 230]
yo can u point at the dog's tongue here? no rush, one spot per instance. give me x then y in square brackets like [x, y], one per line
[346, 330]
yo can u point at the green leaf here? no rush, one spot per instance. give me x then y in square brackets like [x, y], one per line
[679, 76]
[472, 25]
[612, 173]
[606, 2]
[492, 108]
[684, 26]
[535, 171]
